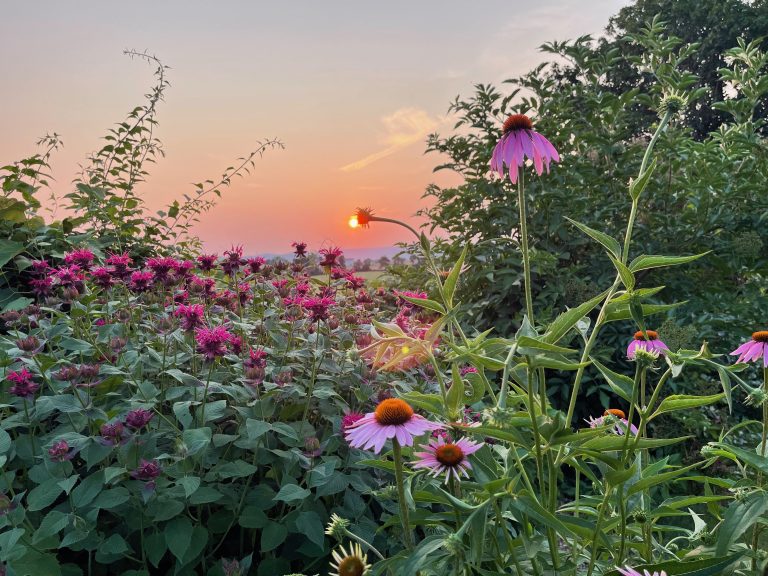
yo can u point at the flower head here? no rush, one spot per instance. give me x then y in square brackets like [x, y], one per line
[112, 434]
[349, 420]
[393, 418]
[147, 470]
[300, 249]
[255, 264]
[233, 259]
[23, 386]
[317, 307]
[137, 419]
[206, 262]
[350, 563]
[120, 263]
[330, 256]
[361, 218]
[648, 341]
[520, 141]
[615, 417]
[627, 571]
[449, 458]
[60, 451]
[81, 257]
[212, 342]
[337, 527]
[102, 277]
[753, 349]
[141, 281]
[191, 316]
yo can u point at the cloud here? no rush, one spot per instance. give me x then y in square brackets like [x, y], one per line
[402, 128]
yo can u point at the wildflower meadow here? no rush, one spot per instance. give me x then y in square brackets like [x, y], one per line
[562, 382]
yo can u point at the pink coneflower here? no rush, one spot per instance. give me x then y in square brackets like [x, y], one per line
[330, 256]
[300, 249]
[191, 317]
[121, 265]
[753, 349]
[102, 277]
[393, 418]
[520, 141]
[617, 418]
[82, 258]
[138, 419]
[650, 344]
[449, 458]
[206, 262]
[233, 259]
[141, 281]
[317, 307]
[60, 452]
[349, 420]
[112, 434]
[23, 386]
[147, 470]
[627, 571]
[255, 264]
[212, 342]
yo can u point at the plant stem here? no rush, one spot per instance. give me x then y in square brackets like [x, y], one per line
[205, 394]
[397, 451]
[524, 248]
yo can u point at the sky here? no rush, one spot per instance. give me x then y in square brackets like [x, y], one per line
[352, 89]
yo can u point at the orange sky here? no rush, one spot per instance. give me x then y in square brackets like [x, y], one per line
[351, 88]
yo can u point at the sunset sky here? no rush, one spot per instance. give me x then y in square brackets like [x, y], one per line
[351, 88]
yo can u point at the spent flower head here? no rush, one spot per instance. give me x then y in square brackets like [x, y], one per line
[337, 527]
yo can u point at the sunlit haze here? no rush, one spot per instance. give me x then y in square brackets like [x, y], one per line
[351, 88]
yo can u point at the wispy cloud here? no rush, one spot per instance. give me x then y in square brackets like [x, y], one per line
[402, 128]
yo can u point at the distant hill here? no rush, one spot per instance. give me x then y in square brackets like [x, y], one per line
[374, 253]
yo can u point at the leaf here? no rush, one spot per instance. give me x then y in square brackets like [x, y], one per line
[708, 567]
[644, 262]
[8, 250]
[567, 320]
[291, 493]
[609, 243]
[75, 345]
[636, 187]
[622, 385]
[741, 514]
[196, 439]
[655, 479]
[178, 534]
[190, 484]
[538, 344]
[310, 525]
[272, 536]
[449, 287]
[455, 397]
[235, 469]
[682, 402]
[626, 275]
[257, 428]
[44, 495]
[425, 303]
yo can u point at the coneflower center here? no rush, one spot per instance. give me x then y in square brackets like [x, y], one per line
[393, 412]
[449, 455]
[615, 412]
[760, 336]
[639, 335]
[517, 122]
[351, 566]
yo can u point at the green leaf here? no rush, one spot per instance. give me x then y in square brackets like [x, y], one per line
[425, 303]
[655, 479]
[609, 243]
[235, 469]
[178, 535]
[256, 428]
[683, 402]
[88, 490]
[190, 484]
[53, 523]
[567, 320]
[449, 287]
[708, 567]
[455, 397]
[8, 250]
[44, 495]
[621, 385]
[538, 344]
[627, 278]
[196, 439]
[75, 345]
[272, 536]
[292, 493]
[112, 498]
[739, 517]
[311, 526]
[636, 187]
[644, 262]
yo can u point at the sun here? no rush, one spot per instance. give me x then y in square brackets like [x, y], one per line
[353, 222]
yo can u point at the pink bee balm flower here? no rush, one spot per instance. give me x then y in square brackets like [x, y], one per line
[206, 262]
[393, 418]
[349, 420]
[23, 386]
[191, 316]
[212, 342]
[520, 141]
[754, 349]
[330, 256]
[449, 458]
[141, 281]
[82, 258]
[650, 344]
[627, 571]
[60, 451]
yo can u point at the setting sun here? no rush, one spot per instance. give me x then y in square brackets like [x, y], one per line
[353, 222]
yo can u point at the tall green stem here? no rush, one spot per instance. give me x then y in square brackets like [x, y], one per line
[397, 451]
[624, 257]
[523, 225]
[756, 529]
